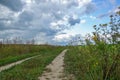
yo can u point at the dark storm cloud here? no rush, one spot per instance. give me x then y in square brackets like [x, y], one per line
[72, 4]
[2, 27]
[5, 19]
[27, 16]
[15, 5]
[24, 20]
[73, 21]
[90, 8]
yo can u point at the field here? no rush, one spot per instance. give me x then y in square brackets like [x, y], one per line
[88, 62]
[12, 52]
[31, 69]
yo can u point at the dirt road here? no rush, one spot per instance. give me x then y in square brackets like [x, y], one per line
[54, 71]
[2, 68]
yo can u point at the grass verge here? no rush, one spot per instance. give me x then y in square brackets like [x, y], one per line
[11, 59]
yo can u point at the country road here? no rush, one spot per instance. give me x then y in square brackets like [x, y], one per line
[8, 66]
[55, 70]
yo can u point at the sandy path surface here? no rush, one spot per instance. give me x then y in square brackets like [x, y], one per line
[54, 71]
[2, 68]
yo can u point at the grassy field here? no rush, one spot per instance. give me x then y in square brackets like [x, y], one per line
[11, 53]
[31, 69]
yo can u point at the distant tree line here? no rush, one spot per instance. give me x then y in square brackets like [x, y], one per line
[17, 40]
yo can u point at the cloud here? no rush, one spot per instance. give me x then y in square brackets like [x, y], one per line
[116, 10]
[62, 37]
[92, 17]
[41, 19]
[83, 21]
[68, 38]
[103, 15]
[73, 21]
[15, 5]
[108, 13]
[89, 8]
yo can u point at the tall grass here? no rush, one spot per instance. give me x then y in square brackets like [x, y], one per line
[32, 69]
[99, 58]
[13, 52]
[90, 63]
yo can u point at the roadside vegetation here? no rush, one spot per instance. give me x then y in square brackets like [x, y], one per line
[99, 57]
[33, 68]
[13, 52]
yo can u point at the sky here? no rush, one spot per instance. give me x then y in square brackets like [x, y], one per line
[55, 22]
